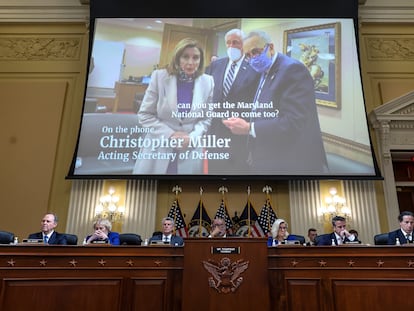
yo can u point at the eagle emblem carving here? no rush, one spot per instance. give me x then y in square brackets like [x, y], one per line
[226, 276]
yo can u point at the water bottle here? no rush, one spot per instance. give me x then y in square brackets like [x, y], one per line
[146, 242]
[274, 243]
[397, 242]
[16, 240]
[333, 242]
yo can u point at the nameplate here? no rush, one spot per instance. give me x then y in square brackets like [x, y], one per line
[100, 242]
[159, 243]
[225, 250]
[33, 241]
[290, 242]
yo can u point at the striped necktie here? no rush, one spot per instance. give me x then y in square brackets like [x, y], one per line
[229, 79]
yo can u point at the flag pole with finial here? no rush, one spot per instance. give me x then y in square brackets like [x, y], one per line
[268, 189]
[249, 232]
[201, 212]
[222, 190]
[176, 189]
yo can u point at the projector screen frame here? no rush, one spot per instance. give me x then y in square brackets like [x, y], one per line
[298, 9]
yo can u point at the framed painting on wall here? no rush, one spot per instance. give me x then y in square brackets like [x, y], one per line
[318, 48]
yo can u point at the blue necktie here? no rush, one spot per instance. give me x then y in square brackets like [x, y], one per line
[45, 239]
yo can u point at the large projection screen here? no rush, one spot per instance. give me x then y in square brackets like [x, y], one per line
[305, 115]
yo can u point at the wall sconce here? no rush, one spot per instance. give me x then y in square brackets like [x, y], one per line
[108, 207]
[335, 206]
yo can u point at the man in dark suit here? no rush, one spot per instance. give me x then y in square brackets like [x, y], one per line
[241, 88]
[218, 228]
[48, 233]
[284, 135]
[312, 234]
[167, 233]
[339, 235]
[405, 232]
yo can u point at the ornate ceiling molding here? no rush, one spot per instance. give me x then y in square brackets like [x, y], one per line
[386, 11]
[45, 48]
[18, 11]
[386, 48]
[78, 10]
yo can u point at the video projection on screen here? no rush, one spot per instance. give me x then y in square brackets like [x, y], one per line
[157, 105]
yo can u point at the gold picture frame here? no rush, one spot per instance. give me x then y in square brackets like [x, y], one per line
[318, 48]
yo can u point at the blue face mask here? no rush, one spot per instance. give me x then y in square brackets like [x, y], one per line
[261, 62]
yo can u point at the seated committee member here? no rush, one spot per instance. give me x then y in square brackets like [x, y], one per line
[48, 233]
[405, 232]
[283, 134]
[312, 234]
[339, 235]
[103, 234]
[218, 228]
[280, 233]
[174, 114]
[354, 232]
[167, 233]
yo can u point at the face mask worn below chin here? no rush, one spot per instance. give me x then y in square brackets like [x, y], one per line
[261, 62]
[234, 54]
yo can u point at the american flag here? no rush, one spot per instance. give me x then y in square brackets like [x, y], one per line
[176, 214]
[223, 213]
[249, 213]
[267, 217]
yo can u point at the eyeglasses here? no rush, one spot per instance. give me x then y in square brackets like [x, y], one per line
[282, 228]
[255, 52]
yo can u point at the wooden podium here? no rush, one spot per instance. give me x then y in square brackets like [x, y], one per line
[225, 274]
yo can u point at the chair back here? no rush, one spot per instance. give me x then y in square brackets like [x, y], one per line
[6, 237]
[381, 239]
[320, 237]
[72, 239]
[130, 239]
[300, 238]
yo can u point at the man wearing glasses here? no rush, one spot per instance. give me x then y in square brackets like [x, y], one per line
[283, 133]
[218, 228]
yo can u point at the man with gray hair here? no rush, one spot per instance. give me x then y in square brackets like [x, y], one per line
[234, 82]
[283, 133]
[167, 235]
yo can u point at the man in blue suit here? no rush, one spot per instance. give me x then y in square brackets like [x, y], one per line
[340, 234]
[405, 232]
[241, 88]
[48, 233]
[167, 233]
[284, 136]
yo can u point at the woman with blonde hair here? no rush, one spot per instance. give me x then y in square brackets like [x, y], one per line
[103, 234]
[280, 233]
